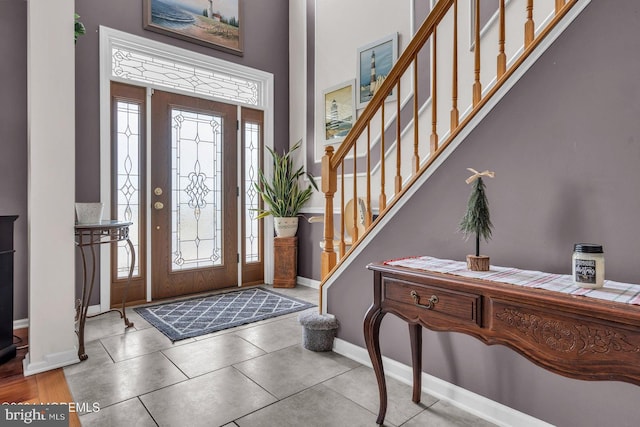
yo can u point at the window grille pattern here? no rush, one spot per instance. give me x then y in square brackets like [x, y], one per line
[197, 199]
[128, 181]
[251, 165]
[131, 65]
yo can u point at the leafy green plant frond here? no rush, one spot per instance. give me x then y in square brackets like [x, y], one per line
[283, 195]
[78, 28]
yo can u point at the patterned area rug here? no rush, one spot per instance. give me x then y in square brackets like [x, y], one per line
[202, 315]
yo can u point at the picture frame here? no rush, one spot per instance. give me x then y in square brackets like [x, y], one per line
[375, 60]
[212, 23]
[339, 111]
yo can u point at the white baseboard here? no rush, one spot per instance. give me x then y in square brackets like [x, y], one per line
[310, 283]
[20, 323]
[473, 403]
[51, 361]
[93, 309]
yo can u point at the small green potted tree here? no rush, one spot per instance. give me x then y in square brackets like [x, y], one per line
[283, 195]
[477, 219]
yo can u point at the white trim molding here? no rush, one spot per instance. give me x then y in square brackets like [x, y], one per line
[466, 400]
[309, 283]
[20, 323]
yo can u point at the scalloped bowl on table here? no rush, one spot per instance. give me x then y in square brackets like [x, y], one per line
[89, 213]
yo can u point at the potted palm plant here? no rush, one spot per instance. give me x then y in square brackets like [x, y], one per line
[283, 196]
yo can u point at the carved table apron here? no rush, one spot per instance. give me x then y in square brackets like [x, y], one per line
[575, 336]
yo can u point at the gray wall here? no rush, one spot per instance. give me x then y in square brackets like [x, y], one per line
[13, 137]
[266, 47]
[564, 143]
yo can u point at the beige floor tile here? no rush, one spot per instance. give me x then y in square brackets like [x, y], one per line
[360, 385]
[98, 357]
[293, 369]
[274, 336]
[316, 407]
[212, 399]
[134, 343]
[200, 357]
[122, 381]
[444, 414]
[128, 413]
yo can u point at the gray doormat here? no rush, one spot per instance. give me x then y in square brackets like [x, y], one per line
[202, 315]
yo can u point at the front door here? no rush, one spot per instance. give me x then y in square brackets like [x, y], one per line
[194, 190]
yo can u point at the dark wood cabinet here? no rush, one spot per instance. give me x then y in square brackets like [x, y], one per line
[7, 348]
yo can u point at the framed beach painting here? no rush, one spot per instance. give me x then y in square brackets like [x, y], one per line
[374, 64]
[339, 111]
[212, 23]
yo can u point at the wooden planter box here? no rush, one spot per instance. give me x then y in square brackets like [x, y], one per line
[285, 262]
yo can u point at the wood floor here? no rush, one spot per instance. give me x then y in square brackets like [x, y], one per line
[47, 387]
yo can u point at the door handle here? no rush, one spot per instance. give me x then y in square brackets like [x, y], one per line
[158, 205]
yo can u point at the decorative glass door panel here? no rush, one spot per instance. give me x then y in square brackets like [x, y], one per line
[252, 255]
[128, 198]
[128, 185]
[197, 204]
[194, 228]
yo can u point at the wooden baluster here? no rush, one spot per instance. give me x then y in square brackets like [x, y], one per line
[502, 57]
[369, 216]
[559, 5]
[416, 155]
[529, 25]
[433, 146]
[398, 144]
[383, 196]
[343, 248]
[354, 224]
[329, 186]
[477, 86]
[455, 114]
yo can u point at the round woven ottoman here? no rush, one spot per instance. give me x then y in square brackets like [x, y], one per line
[318, 330]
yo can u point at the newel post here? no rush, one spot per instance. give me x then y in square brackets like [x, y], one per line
[329, 186]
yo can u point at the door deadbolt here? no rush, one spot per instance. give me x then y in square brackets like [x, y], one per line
[157, 191]
[158, 205]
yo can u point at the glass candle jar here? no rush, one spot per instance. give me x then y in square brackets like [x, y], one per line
[588, 265]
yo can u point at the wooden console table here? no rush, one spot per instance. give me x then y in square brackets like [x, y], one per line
[91, 235]
[575, 336]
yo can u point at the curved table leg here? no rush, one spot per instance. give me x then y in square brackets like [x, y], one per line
[81, 312]
[372, 322]
[82, 305]
[128, 323]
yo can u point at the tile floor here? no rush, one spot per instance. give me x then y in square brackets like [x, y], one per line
[252, 375]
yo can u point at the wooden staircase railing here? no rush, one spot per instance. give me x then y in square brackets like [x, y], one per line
[334, 163]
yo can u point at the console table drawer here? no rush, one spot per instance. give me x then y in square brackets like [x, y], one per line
[424, 299]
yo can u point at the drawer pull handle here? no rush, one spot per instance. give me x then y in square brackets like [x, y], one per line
[416, 300]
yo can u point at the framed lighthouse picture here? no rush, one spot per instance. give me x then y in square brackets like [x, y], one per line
[212, 23]
[339, 111]
[374, 64]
